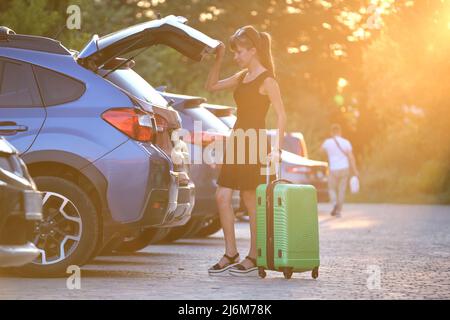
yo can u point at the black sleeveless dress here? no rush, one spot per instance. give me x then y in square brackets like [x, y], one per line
[252, 109]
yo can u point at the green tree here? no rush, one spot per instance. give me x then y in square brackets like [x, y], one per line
[29, 16]
[48, 18]
[407, 71]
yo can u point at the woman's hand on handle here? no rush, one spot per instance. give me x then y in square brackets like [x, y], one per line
[220, 51]
[274, 156]
[213, 83]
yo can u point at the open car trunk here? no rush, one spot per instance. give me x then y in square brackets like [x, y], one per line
[170, 31]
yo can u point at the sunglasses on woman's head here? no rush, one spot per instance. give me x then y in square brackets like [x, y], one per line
[242, 33]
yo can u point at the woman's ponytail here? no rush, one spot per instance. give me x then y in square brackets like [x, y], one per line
[265, 52]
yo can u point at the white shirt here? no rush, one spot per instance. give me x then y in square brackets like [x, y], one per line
[337, 160]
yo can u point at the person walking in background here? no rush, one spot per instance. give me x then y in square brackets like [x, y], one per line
[342, 164]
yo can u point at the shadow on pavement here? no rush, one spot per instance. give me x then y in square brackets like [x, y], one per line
[139, 254]
[115, 274]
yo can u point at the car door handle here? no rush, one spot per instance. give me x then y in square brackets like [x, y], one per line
[11, 127]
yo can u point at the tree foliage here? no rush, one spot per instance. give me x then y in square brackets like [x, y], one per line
[380, 68]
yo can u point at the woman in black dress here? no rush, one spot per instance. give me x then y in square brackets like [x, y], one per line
[255, 89]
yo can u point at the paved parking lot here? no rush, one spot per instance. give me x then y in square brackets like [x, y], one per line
[373, 251]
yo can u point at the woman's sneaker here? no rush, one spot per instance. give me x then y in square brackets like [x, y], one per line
[222, 270]
[240, 270]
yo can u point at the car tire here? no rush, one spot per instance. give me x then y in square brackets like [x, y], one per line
[194, 224]
[196, 227]
[70, 218]
[160, 234]
[109, 248]
[144, 239]
[210, 226]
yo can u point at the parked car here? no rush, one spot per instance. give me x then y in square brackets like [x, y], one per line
[168, 121]
[295, 164]
[20, 209]
[205, 219]
[203, 175]
[90, 146]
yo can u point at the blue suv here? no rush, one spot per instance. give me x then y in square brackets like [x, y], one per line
[100, 156]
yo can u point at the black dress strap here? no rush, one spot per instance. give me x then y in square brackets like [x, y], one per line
[266, 74]
[259, 78]
[242, 76]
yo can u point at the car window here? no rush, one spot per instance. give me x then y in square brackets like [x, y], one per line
[57, 88]
[17, 85]
[292, 144]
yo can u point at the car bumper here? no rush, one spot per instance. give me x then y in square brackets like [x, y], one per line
[19, 208]
[185, 205]
[26, 204]
[142, 191]
[170, 207]
[17, 255]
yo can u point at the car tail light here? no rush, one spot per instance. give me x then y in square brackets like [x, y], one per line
[203, 138]
[161, 123]
[133, 122]
[320, 175]
[298, 169]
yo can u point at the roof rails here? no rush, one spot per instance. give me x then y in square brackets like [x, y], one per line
[4, 32]
[9, 39]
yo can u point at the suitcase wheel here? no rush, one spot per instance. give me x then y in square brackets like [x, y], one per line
[287, 272]
[315, 273]
[262, 273]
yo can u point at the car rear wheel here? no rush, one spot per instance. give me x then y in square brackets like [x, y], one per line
[190, 228]
[209, 227]
[69, 231]
[197, 225]
[142, 240]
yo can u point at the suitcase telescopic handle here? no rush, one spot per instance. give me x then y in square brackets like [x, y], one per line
[278, 178]
[277, 171]
[271, 184]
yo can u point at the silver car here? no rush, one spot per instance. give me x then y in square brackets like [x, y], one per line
[20, 207]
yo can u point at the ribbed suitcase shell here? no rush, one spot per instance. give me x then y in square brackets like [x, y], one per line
[295, 229]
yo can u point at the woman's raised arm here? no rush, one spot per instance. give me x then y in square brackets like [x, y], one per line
[213, 83]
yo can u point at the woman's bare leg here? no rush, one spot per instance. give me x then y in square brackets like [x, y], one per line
[249, 197]
[226, 213]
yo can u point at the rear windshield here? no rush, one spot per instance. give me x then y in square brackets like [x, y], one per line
[136, 85]
[290, 143]
[294, 145]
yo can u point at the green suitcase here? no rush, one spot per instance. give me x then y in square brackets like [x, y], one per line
[287, 237]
